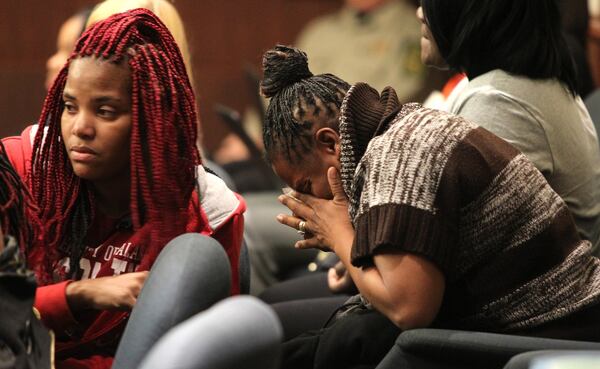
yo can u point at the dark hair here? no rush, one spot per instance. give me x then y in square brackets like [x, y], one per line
[296, 96]
[17, 212]
[163, 153]
[521, 37]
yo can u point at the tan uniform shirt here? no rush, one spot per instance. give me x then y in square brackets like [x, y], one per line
[381, 47]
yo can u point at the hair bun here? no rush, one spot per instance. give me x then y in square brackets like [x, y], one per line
[283, 66]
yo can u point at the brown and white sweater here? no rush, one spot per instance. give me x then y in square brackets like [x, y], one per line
[431, 183]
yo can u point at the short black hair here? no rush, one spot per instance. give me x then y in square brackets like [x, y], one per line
[521, 37]
[15, 201]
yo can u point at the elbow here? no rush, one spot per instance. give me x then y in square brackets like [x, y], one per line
[406, 319]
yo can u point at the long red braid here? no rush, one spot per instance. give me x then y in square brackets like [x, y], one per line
[163, 151]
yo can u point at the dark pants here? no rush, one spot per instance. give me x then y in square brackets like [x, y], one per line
[313, 285]
[359, 339]
[300, 316]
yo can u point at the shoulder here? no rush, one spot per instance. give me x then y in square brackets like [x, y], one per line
[506, 105]
[218, 202]
[19, 149]
[409, 159]
[525, 112]
[489, 107]
[401, 16]
[417, 127]
[489, 87]
[499, 92]
[421, 140]
[323, 27]
[328, 21]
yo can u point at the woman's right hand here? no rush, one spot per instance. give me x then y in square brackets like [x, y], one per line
[106, 293]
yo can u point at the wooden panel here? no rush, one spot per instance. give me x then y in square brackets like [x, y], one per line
[594, 49]
[224, 36]
[28, 31]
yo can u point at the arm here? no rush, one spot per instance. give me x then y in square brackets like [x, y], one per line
[51, 302]
[60, 303]
[406, 288]
[118, 292]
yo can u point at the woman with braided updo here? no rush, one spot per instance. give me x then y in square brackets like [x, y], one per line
[115, 173]
[438, 222]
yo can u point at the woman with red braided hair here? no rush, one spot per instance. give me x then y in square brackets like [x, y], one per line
[113, 168]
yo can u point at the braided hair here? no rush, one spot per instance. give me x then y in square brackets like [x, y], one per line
[299, 99]
[163, 155]
[15, 204]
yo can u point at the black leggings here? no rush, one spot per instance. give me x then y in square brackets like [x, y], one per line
[360, 339]
[299, 316]
[310, 286]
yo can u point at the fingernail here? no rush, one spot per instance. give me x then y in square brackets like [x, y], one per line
[280, 198]
[280, 218]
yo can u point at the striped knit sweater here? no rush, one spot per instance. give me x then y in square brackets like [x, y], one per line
[431, 183]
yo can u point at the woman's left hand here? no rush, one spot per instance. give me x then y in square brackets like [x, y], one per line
[327, 223]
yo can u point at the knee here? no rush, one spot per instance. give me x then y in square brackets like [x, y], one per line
[194, 243]
[197, 258]
[195, 249]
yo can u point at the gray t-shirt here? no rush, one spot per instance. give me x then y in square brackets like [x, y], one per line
[554, 130]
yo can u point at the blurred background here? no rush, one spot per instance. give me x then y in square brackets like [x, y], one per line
[224, 36]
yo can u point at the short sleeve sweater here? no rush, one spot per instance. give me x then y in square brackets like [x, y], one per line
[434, 184]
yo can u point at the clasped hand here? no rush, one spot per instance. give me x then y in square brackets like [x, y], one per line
[327, 222]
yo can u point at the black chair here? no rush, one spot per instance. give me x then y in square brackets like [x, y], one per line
[253, 174]
[244, 265]
[429, 348]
